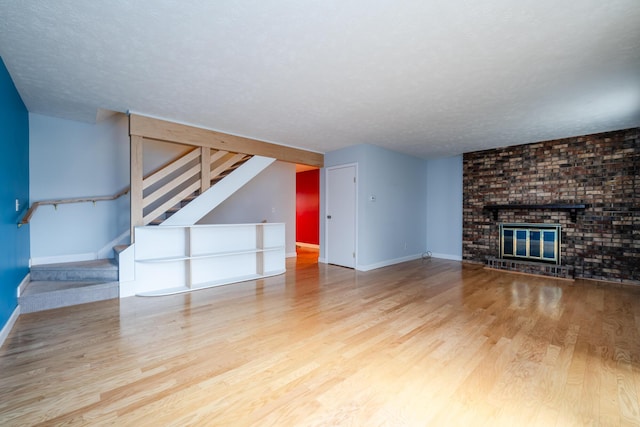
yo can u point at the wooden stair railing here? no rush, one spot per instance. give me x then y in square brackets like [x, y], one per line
[160, 185]
[211, 144]
[169, 188]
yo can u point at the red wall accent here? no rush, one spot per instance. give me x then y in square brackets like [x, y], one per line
[308, 206]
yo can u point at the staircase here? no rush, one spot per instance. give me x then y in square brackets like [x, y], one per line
[61, 285]
[208, 200]
[178, 192]
[177, 183]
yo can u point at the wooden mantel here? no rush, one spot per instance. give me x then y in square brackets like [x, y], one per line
[571, 208]
[161, 130]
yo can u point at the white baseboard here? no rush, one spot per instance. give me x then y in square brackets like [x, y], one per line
[291, 255]
[89, 256]
[6, 329]
[386, 263]
[23, 284]
[447, 256]
[307, 245]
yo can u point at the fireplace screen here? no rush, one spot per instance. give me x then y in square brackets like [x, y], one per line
[533, 242]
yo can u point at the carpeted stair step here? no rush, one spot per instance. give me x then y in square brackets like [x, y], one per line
[42, 295]
[101, 270]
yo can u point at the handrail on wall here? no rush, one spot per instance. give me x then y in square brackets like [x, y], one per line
[55, 203]
[162, 171]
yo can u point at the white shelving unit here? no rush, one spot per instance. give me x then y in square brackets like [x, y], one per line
[173, 259]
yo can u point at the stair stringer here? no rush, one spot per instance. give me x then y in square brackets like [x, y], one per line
[218, 193]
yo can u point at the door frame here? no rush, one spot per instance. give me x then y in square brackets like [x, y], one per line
[326, 206]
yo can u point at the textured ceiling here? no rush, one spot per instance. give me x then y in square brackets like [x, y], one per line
[428, 78]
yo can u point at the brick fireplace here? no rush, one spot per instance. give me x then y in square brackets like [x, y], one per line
[599, 172]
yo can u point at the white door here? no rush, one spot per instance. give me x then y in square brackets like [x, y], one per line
[341, 215]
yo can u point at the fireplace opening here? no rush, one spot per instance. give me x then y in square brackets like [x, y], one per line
[530, 242]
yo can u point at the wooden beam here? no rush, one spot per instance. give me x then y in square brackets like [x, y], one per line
[136, 184]
[205, 169]
[162, 130]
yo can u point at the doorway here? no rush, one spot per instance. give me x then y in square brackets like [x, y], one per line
[341, 215]
[307, 213]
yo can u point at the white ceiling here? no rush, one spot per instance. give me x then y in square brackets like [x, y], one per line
[428, 78]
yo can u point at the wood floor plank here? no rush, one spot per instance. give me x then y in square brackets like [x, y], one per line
[427, 342]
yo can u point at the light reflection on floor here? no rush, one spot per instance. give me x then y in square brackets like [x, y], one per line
[544, 298]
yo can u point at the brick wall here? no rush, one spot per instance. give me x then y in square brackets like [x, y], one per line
[602, 170]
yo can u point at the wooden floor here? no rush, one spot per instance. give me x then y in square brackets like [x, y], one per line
[429, 342]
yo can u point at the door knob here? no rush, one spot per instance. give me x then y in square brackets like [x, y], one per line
[328, 216]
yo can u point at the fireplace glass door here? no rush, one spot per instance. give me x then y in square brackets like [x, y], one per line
[533, 242]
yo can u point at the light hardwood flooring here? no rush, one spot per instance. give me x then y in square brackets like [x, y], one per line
[421, 343]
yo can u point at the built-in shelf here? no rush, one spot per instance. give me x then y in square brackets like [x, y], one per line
[174, 259]
[573, 209]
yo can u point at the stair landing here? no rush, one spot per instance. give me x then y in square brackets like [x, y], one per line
[66, 284]
[99, 269]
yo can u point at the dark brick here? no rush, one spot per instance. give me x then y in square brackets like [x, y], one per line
[601, 170]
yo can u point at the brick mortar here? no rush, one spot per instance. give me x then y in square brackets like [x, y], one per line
[602, 170]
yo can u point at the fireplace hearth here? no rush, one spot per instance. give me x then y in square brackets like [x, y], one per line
[529, 267]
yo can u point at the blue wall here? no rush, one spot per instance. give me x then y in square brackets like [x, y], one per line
[14, 176]
[444, 207]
